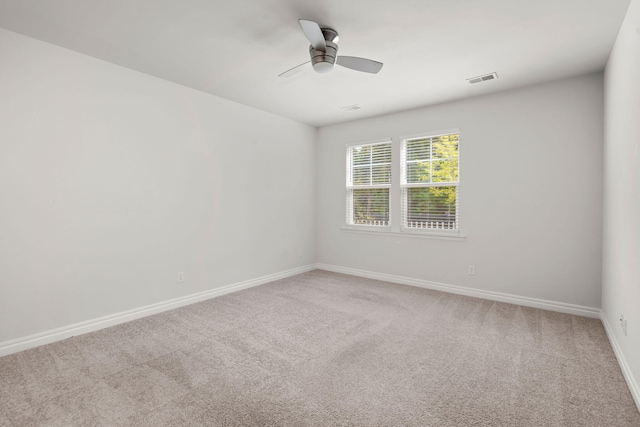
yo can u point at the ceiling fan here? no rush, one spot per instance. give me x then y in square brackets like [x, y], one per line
[324, 52]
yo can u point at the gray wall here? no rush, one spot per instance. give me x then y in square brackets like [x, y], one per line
[112, 181]
[531, 194]
[621, 266]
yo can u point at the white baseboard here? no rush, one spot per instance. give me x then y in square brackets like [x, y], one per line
[622, 361]
[508, 298]
[477, 293]
[20, 344]
[47, 337]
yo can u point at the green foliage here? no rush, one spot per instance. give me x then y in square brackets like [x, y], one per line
[432, 160]
[371, 205]
[371, 165]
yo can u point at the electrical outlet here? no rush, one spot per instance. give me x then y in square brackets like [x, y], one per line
[180, 276]
[471, 270]
[623, 324]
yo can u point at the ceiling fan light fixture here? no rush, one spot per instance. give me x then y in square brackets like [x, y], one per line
[322, 67]
[323, 61]
[323, 52]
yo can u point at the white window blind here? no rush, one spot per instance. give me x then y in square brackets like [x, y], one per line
[429, 182]
[368, 184]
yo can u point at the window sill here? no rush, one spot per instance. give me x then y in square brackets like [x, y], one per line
[386, 231]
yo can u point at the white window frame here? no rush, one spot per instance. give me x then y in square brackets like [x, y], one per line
[349, 223]
[404, 186]
[396, 210]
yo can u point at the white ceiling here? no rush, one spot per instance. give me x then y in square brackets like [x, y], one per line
[236, 49]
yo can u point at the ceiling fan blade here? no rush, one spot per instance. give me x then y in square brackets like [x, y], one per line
[295, 70]
[313, 33]
[359, 64]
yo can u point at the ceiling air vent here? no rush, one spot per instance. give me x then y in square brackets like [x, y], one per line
[491, 76]
[353, 107]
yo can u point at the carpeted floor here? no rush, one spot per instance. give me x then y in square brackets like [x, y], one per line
[323, 349]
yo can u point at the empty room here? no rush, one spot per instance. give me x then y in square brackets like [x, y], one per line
[297, 213]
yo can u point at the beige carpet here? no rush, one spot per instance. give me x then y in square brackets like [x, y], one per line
[323, 349]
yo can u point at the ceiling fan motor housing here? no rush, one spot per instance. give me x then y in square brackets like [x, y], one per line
[323, 61]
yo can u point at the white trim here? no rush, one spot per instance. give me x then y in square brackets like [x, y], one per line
[428, 184]
[561, 307]
[477, 293]
[367, 228]
[20, 344]
[413, 234]
[430, 134]
[438, 232]
[622, 361]
[366, 187]
[405, 186]
[369, 142]
[47, 337]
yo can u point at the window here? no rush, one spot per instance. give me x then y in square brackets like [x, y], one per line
[368, 184]
[405, 185]
[429, 182]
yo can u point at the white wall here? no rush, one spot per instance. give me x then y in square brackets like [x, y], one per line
[531, 194]
[112, 181]
[621, 251]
